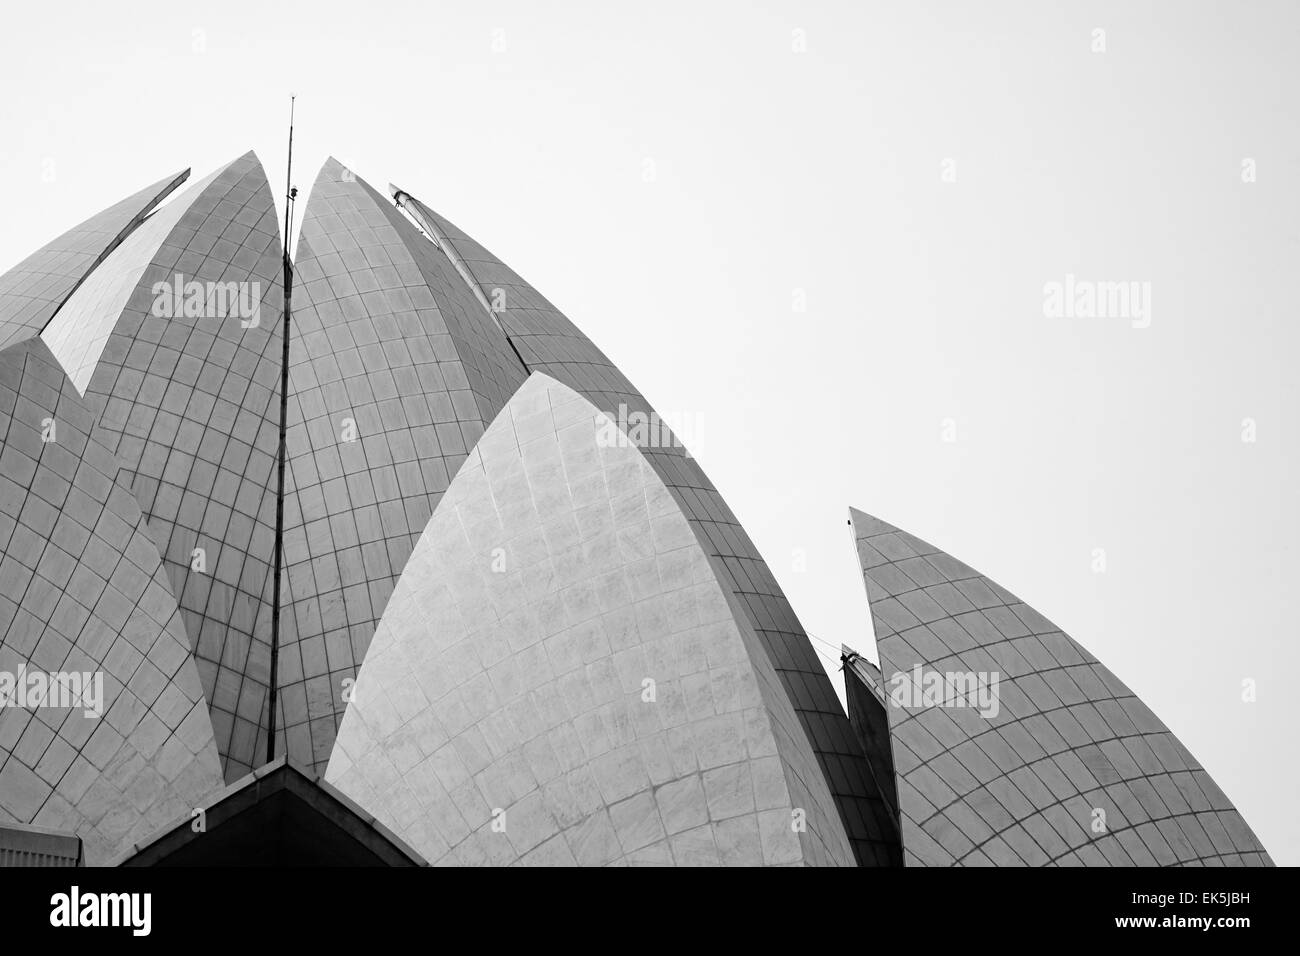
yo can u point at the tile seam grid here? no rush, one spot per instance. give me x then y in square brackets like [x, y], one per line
[135, 222]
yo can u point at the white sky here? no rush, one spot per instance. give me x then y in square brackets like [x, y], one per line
[776, 172]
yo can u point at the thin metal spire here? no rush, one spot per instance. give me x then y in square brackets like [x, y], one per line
[290, 195]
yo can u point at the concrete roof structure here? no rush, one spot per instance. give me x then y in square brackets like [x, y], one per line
[1061, 764]
[516, 627]
[32, 291]
[279, 815]
[560, 664]
[83, 592]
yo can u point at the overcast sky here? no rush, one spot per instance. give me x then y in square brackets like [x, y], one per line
[821, 232]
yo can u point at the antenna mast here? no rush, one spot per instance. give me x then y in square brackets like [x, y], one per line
[290, 195]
